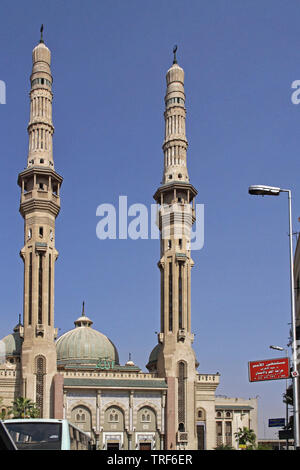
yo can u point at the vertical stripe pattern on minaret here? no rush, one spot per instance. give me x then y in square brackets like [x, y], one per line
[39, 206]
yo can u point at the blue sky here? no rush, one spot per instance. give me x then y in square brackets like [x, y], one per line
[109, 60]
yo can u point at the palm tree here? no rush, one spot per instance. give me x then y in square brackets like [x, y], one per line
[246, 437]
[24, 408]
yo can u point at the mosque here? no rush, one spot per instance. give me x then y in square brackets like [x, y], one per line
[78, 376]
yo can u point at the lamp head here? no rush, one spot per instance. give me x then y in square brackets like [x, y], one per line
[278, 348]
[262, 190]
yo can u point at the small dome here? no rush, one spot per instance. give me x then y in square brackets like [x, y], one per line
[13, 342]
[153, 357]
[85, 346]
[154, 353]
[130, 362]
[41, 53]
[175, 74]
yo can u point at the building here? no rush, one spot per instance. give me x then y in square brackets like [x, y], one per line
[290, 393]
[79, 376]
[231, 415]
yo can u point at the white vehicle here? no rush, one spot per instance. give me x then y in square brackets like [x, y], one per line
[47, 434]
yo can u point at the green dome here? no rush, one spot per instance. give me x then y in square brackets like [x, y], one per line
[13, 344]
[153, 357]
[84, 346]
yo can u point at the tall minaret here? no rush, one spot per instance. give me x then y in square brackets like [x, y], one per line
[39, 206]
[176, 359]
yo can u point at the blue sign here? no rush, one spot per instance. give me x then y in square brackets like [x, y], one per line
[276, 423]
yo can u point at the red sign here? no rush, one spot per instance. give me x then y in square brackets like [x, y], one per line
[269, 369]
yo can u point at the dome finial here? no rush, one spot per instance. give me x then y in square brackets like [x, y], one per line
[18, 326]
[83, 320]
[41, 30]
[130, 361]
[174, 52]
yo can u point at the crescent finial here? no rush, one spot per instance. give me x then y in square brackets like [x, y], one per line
[41, 30]
[174, 52]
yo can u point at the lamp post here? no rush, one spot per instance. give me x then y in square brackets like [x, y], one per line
[262, 190]
[279, 348]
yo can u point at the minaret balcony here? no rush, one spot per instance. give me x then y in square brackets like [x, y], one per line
[176, 206]
[39, 171]
[173, 187]
[43, 194]
[26, 196]
[40, 194]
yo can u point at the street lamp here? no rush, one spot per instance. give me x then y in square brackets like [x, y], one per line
[279, 348]
[262, 190]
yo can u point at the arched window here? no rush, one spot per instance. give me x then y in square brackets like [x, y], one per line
[82, 418]
[40, 369]
[181, 395]
[113, 416]
[146, 417]
[200, 415]
[181, 427]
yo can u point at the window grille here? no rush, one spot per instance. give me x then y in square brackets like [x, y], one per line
[181, 395]
[40, 302]
[30, 290]
[170, 298]
[40, 372]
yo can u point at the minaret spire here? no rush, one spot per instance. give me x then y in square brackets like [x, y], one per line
[39, 206]
[41, 30]
[175, 141]
[174, 52]
[40, 127]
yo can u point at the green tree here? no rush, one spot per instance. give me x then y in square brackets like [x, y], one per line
[246, 437]
[24, 408]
